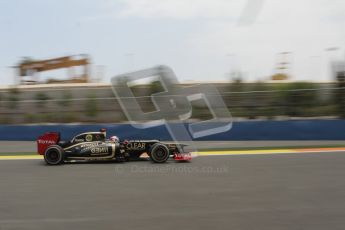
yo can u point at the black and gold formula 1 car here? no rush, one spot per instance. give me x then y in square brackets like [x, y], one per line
[93, 146]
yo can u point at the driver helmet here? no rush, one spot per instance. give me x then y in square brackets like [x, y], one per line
[114, 139]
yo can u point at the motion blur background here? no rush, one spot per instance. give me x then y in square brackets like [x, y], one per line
[270, 60]
[279, 66]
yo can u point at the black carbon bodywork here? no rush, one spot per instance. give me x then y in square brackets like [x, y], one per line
[94, 146]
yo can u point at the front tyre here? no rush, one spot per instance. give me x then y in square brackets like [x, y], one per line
[54, 155]
[159, 153]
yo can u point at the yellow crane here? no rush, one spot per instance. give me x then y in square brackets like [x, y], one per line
[30, 68]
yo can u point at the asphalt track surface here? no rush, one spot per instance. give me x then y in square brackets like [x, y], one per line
[284, 191]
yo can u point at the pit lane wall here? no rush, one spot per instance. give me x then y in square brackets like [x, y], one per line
[241, 131]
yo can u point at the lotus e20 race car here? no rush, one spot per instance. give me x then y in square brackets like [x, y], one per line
[93, 146]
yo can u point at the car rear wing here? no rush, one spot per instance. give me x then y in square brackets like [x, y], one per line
[46, 140]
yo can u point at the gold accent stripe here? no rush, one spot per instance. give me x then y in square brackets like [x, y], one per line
[82, 143]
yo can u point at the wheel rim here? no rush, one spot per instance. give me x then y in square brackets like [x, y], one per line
[53, 156]
[160, 154]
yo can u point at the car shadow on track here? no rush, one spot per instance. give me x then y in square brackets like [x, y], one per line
[115, 162]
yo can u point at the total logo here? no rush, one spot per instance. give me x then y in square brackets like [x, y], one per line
[46, 142]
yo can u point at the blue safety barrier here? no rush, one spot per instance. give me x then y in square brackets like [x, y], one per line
[241, 131]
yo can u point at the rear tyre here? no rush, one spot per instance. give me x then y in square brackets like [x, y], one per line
[54, 155]
[159, 153]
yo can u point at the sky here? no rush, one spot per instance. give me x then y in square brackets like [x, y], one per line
[201, 40]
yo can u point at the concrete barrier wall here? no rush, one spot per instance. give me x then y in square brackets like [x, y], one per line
[241, 131]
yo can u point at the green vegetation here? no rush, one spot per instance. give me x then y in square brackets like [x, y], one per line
[91, 108]
[265, 100]
[339, 95]
[65, 101]
[260, 100]
[41, 99]
[12, 98]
